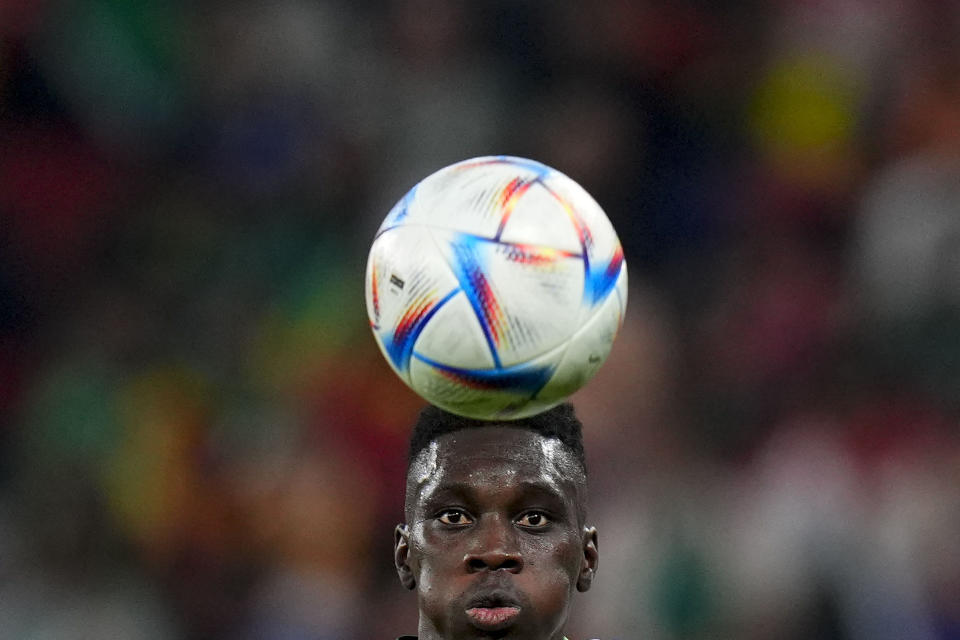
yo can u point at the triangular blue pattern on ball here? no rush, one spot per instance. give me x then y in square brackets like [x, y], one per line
[601, 280]
[399, 212]
[467, 264]
[399, 343]
[524, 378]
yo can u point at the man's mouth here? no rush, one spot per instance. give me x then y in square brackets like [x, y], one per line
[493, 611]
[493, 618]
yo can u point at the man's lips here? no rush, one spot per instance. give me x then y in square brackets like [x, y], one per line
[493, 618]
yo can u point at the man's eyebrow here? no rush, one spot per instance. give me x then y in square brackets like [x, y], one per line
[447, 491]
[543, 490]
[551, 494]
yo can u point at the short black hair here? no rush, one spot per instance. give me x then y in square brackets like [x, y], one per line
[559, 422]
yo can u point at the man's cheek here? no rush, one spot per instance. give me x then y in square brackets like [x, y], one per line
[555, 552]
[555, 570]
[436, 569]
[430, 588]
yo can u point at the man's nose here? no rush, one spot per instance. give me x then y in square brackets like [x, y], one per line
[495, 548]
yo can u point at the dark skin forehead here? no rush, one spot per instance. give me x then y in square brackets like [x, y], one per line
[495, 456]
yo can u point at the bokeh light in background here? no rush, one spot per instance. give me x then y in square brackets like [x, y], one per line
[199, 439]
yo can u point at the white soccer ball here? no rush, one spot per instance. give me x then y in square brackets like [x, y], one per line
[495, 287]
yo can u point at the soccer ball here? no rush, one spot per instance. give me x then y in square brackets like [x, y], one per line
[495, 287]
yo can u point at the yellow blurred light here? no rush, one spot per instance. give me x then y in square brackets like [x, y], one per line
[804, 104]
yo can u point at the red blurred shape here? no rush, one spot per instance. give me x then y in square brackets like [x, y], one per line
[20, 17]
[54, 189]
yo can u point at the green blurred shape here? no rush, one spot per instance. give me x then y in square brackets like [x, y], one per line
[318, 312]
[71, 414]
[118, 64]
[682, 596]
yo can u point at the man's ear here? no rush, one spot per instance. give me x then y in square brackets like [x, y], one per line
[401, 555]
[588, 564]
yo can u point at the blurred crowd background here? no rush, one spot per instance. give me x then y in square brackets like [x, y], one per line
[199, 438]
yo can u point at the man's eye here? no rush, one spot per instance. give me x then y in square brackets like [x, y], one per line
[533, 520]
[454, 516]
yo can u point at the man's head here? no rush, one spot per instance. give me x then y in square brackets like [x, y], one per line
[495, 541]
